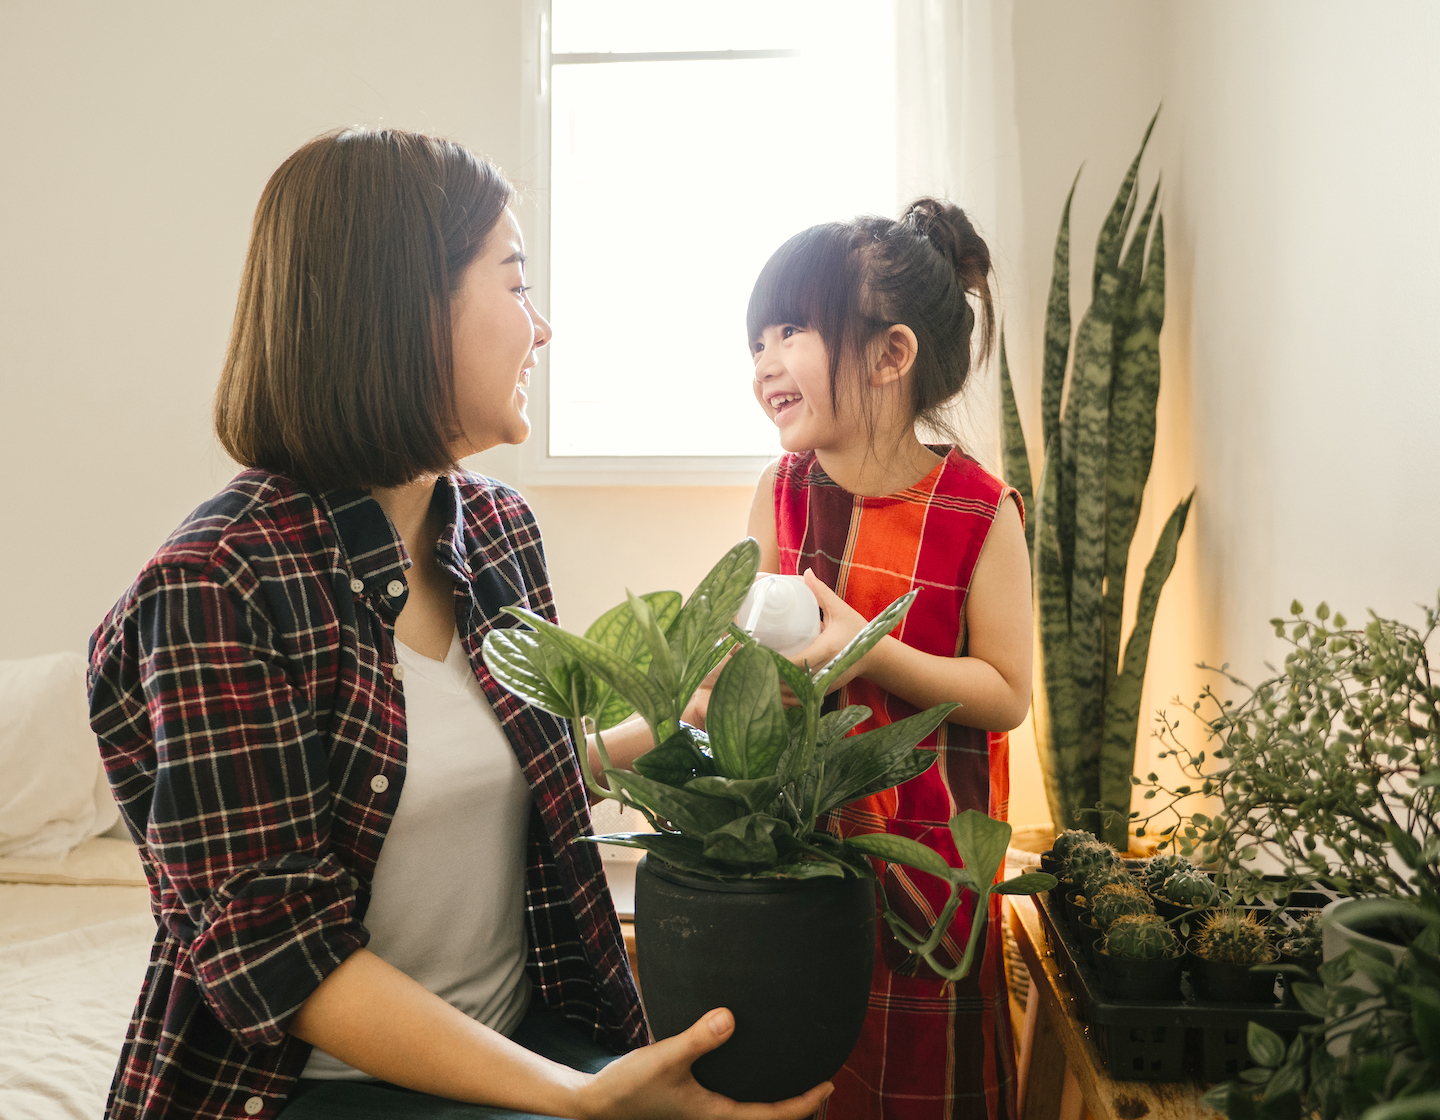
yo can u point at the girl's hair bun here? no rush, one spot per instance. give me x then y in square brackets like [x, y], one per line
[950, 231]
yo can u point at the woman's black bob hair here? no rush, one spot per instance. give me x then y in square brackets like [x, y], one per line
[851, 280]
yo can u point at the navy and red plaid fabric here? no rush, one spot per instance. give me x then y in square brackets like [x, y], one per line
[253, 730]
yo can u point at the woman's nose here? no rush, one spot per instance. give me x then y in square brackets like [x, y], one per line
[543, 330]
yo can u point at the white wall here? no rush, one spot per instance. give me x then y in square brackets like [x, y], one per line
[138, 137]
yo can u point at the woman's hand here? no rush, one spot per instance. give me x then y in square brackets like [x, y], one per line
[655, 1083]
[839, 623]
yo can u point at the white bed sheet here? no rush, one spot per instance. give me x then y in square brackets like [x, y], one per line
[66, 998]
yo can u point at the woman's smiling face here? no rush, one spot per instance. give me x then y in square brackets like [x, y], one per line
[495, 331]
[792, 384]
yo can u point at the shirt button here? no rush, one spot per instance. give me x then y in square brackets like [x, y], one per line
[399, 671]
[357, 586]
[394, 589]
[253, 1105]
[379, 783]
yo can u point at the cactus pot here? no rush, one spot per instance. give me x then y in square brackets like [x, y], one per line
[791, 958]
[1288, 980]
[1122, 978]
[1223, 982]
[1170, 910]
[1073, 909]
[1090, 932]
[1049, 864]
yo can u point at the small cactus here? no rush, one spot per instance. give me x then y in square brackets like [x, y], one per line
[1193, 889]
[1062, 845]
[1118, 901]
[1304, 943]
[1139, 937]
[1159, 868]
[1235, 937]
[1084, 858]
[1096, 879]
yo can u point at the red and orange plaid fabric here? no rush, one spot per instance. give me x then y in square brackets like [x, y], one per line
[929, 1050]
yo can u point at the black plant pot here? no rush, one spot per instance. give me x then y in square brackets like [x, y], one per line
[1090, 933]
[1130, 979]
[791, 958]
[1073, 909]
[1171, 910]
[1288, 979]
[1223, 982]
[1049, 864]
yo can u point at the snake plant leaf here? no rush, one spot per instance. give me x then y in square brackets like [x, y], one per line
[1117, 222]
[663, 667]
[638, 689]
[857, 762]
[1016, 458]
[755, 794]
[900, 849]
[706, 616]
[618, 631]
[836, 725]
[533, 671]
[746, 718]
[1057, 329]
[1053, 702]
[677, 760]
[1122, 707]
[691, 813]
[981, 841]
[1032, 882]
[678, 851]
[863, 642]
[747, 841]
[1134, 397]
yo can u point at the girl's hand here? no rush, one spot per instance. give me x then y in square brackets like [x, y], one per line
[655, 1082]
[839, 623]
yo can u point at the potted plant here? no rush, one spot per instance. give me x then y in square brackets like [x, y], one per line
[1139, 958]
[1096, 462]
[744, 899]
[1301, 951]
[1112, 901]
[1328, 771]
[1185, 893]
[1230, 944]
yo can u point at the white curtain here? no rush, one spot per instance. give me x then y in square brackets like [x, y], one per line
[956, 139]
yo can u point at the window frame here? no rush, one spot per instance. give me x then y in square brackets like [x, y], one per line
[537, 466]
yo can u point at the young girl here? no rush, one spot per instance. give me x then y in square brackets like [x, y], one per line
[861, 330]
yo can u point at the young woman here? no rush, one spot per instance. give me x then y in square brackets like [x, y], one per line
[358, 845]
[860, 331]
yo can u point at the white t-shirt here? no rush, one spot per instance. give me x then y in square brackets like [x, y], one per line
[448, 901]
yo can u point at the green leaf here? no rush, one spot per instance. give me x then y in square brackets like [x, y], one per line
[1266, 1047]
[807, 869]
[1112, 232]
[1015, 457]
[1057, 329]
[662, 658]
[678, 851]
[754, 794]
[746, 718]
[857, 763]
[678, 759]
[794, 676]
[618, 631]
[746, 841]
[981, 841]
[836, 725]
[900, 849]
[534, 672]
[911, 766]
[706, 616]
[1032, 882]
[1310, 997]
[691, 813]
[1359, 912]
[1420, 1105]
[1425, 1017]
[863, 642]
[1122, 706]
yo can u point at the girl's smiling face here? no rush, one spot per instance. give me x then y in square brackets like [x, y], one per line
[495, 331]
[792, 384]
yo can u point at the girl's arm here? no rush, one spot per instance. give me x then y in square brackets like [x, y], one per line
[991, 683]
[376, 1018]
[762, 520]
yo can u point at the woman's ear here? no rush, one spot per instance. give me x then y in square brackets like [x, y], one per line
[896, 355]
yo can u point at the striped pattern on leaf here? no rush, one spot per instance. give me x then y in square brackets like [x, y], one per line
[1015, 457]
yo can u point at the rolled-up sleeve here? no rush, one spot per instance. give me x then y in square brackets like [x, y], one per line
[241, 811]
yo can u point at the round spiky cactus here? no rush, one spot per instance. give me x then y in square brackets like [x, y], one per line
[1235, 937]
[1118, 901]
[1096, 879]
[1306, 942]
[1139, 937]
[1062, 845]
[1085, 858]
[1159, 868]
[1194, 889]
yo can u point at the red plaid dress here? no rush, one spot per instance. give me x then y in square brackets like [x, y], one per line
[928, 1050]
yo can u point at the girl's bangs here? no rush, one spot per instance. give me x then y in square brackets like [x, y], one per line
[811, 281]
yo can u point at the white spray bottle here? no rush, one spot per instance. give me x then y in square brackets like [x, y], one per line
[780, 612]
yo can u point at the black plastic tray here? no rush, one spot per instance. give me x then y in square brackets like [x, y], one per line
[1162, 1040]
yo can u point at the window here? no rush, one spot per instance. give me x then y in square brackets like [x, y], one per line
[683, 144]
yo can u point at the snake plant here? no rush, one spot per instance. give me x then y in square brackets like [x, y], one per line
[1097, 460]
[747, 800]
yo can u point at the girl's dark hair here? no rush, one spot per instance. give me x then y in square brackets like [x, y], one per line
[339, 370]
[851, 280]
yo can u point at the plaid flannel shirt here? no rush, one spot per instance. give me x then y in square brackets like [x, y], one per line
[246, 700]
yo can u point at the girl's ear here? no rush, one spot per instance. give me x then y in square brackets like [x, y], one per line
[895, 357]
